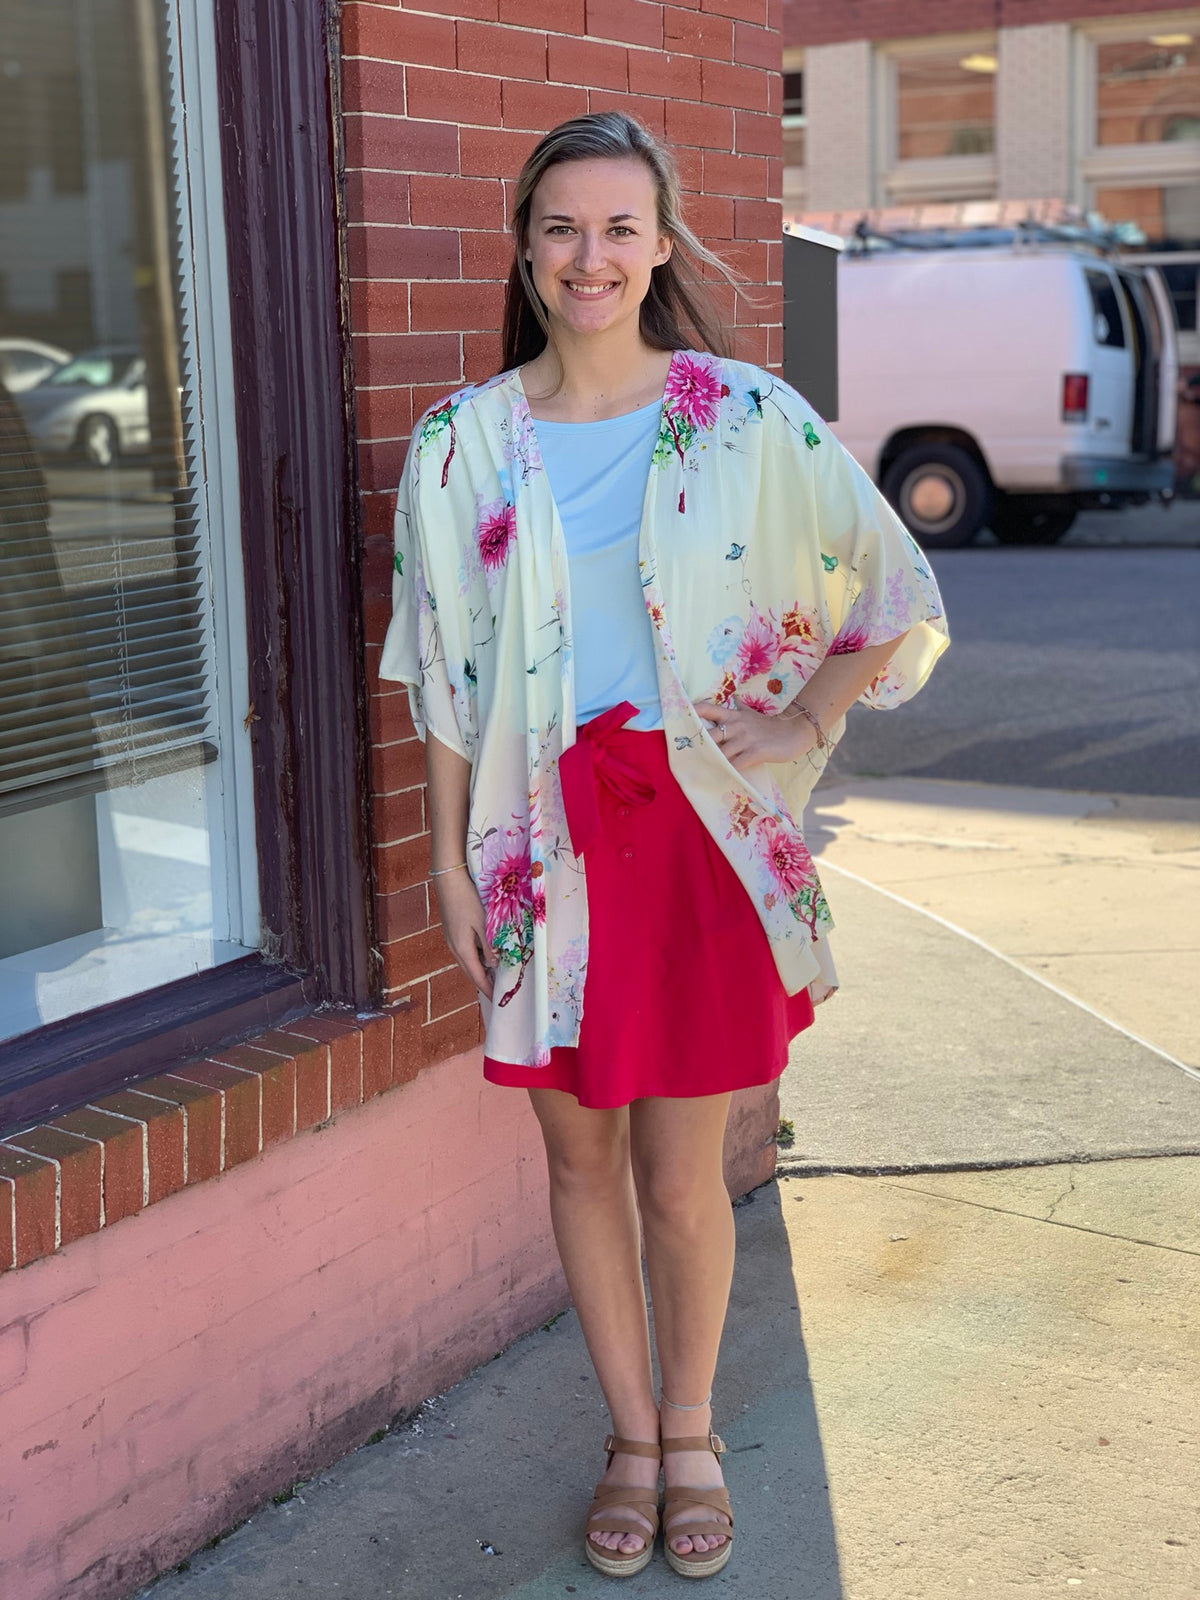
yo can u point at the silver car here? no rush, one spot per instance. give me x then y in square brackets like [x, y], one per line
[95, 407]
[24, 362]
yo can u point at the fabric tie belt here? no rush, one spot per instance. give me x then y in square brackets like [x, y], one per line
[591, 761]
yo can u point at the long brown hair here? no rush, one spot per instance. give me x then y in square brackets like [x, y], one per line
[678, 311]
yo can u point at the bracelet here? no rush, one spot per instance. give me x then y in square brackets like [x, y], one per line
[797, 710]
[440, 871]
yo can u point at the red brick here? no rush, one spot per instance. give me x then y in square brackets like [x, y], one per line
[398, 144]
[709, 126]
[694, 34]
[744, 88]
[121, 1163]
[394, 358]
[775, 177]
[509, 52]
[456, 306]
[775, 94]
[744, 10]
[556, 16]
[711, 216]
[449, 992]
[377, 512]
[481, 356]
[391, 35]
[758, 134]
[586, 61]
[627, 21]
[200, 1111]
[774, 261]
[750, 344]
[467, 97]
[488, 255]
[8, 1190]
[459, 202]
[736, 175]
[379, 305]
[484, 10]
[33, 1191]
[775, 16]
[411, 252]
[402, 913]
[413, 959]
[757, 47]
[397, 866]
[79, 1173]
[541, 106]
[452, 1035]
[385, 414]
[376, 1054]
[749, 258]
[388, 715]
[242, 1092]
[407, 1021]
[689, 164]
[164, 1136]
[397, 766]
[775, 346]
[343, 1034]
[373, 86]
[648, 111]
[757, 219]
[676, 77]
[492, 153]
[376, 197]
[398, 816]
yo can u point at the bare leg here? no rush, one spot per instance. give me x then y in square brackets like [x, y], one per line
[594, 1211]
[676, 1149]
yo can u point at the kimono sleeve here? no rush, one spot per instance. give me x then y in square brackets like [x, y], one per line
[424, 607]
[878, 584]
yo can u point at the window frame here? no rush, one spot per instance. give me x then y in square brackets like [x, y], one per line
[795, 177]
[951, 178]
[282, 176]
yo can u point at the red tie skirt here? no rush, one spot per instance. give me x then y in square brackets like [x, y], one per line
[682, 996]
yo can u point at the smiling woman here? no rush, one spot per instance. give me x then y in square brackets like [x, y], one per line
[637, 586]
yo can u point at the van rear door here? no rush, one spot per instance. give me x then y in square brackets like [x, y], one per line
[1111, 365]
[1159, 296]
[1147, 350]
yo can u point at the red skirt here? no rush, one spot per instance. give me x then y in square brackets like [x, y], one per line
[682, 996]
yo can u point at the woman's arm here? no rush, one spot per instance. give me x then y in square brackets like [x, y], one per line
[448, 779]
[755, 737]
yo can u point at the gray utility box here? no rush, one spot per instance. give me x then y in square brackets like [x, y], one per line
[810, 341]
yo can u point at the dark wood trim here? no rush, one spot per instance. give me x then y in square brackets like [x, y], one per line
[279, 70]
[109, 1047]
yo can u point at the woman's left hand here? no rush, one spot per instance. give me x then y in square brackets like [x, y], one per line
[749, 738]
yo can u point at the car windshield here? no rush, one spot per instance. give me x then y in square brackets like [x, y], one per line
[93, 369]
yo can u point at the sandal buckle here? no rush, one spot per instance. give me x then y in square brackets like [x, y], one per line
[717, 1446]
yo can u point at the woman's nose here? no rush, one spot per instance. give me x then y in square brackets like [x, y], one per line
[589, 256]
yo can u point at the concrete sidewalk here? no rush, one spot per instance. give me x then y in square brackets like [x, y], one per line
[934, 1383]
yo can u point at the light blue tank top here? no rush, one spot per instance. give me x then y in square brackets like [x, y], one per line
[597, 473]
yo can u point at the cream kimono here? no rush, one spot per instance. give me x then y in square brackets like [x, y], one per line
[764, 547]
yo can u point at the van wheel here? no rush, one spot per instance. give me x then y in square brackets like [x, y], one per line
[1023, 520]
[941, 492]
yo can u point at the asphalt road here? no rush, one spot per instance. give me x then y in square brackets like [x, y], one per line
[1072, 667]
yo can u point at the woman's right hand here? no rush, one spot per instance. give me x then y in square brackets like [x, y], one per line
[464, 928]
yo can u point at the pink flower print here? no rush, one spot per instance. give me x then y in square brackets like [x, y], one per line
[507, 891]
[854, 637]
[495, 533]
[759, 702]
[727, 689]
[759, 647]
[786, 856]
[693, 389]
[539, 905]
[742, 813]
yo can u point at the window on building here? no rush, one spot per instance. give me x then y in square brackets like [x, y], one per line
[127, 850]
[945, 104]
[793, 118]
[1164, 212]
[1147, 89]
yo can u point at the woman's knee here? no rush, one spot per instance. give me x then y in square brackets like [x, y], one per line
[586, 1150]
[679, 1196]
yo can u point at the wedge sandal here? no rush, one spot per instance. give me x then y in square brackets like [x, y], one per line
[696, 1563]
[606, 1516]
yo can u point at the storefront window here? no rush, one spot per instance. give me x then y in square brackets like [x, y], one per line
[945, 104]
[793, 119]
[126, 841]
[1148, 89]
[1167, 213]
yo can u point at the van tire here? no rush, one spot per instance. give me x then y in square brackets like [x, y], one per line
[941, 492]
[1023, 519]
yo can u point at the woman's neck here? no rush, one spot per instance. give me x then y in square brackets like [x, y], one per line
[600, 377]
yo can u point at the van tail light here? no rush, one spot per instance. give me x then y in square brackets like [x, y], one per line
[1075, 396]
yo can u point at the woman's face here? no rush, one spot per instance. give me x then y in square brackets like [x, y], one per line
[593, 242]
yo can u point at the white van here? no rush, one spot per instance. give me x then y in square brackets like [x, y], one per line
[1009, 383]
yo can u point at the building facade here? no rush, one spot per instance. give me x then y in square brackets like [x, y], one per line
[255, 1198]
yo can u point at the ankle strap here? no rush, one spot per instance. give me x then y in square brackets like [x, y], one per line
[615, 1445]
[697, 1441]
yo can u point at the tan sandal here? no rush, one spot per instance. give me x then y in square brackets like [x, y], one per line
[602, 1519]
[696, 1563]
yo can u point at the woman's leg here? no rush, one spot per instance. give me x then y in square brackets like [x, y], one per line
[594, 1212]
[676, 1154]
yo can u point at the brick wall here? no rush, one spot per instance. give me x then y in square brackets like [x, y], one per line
[441, 110]
[808, 22]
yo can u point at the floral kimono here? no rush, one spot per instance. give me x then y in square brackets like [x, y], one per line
[764, 547]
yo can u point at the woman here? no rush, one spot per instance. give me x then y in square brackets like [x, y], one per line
[637, 587]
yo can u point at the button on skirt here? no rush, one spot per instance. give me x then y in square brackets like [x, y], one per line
[682, 996]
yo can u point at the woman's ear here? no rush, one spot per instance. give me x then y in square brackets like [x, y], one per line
[663, 253]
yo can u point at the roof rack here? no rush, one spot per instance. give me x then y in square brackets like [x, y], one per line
[972, 225]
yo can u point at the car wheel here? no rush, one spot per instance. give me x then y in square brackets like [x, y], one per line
[1024, 521]
[941, 492]
[97, 440]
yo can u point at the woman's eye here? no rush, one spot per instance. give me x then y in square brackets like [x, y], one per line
[621, 228]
